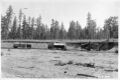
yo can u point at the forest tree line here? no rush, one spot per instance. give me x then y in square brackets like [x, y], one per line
[23, 27]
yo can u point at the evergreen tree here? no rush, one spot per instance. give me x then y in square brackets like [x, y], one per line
[29, 28]
[54, 30]
[91, 27]
[62, 32]
[72, 31]
[32, 28]
[39, 28]
[3, 27]
[19, 31]
[24, 28]
[6, 23]
[111, 27]
[99, 34]
[13, 32]
[78, 31]
[47, 32]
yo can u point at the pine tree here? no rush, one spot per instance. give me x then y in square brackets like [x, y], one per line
[19, 31]
[3, 27]
[24, 28]
[72, 31]
[62, 32]
[29, 28]
[78, 30]
[6, 23]
[39, 28]
[13, 32]
[111, 27]
[54, 30]
[47, 32]
[91, 27]
[32, 28]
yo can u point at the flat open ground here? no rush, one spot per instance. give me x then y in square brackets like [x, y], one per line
[43, 63]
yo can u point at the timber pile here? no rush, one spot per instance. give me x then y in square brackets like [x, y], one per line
[98, 46]
[113, 50]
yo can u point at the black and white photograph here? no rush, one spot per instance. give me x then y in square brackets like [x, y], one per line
[59, 39]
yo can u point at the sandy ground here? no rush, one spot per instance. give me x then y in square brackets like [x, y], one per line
[38, 63]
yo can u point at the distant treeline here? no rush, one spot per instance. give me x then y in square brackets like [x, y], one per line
[23, 27]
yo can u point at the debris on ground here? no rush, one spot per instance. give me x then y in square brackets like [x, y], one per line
[113, 50]
[38, 63]
[86, 75]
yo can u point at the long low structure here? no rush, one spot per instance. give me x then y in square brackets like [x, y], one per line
[33, 45]
[66, 41]
[43, 44]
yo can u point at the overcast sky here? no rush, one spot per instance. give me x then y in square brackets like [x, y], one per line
[66, 10]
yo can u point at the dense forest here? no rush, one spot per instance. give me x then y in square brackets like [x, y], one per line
[26, 27]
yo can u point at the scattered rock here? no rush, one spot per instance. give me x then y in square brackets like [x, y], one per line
[91, 65]
[65, 71]
[86, 75]
[70, 62]
[60, 63]
[110, 70]
[2, 54]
